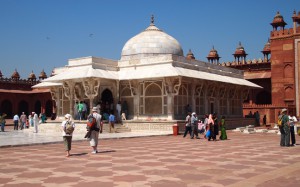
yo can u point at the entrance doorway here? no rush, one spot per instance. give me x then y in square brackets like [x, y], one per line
[107, 102]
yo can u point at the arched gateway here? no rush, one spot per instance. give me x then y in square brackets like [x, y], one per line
[153, 78]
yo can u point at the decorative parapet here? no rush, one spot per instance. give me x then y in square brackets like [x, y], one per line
[6, 83]
[263, 106]
[245, 63]
[282, 33]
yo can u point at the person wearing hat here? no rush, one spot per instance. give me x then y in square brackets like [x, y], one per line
[95, 132]
[67, 137]
[194, 125]
[284, 128]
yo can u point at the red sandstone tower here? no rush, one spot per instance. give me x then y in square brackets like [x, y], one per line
[285, 49]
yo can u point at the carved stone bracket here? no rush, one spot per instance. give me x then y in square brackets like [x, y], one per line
[77, 92]
[68, 86]
[91, 87]
[222, 91]
[170, 85]
[134, 87]
[54, 93]
[211, 90]
[199, 88]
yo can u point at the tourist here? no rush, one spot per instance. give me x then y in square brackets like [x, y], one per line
[27, 123]
[216, 126]
[66, 133]
[284, 128]
[194, 126]
[257, 118]
[95, 132]
[201, 127]
[292, 120]
[223, 135]
[84, 110]
[80, 109]
[188, 109]
[2, 121]
[16, 120]
[111, 121]
[188, 125]
[206, 125]
[210, 133]
[30, 118]
[98, 107]
[35, 122]
[125, 108]
[119, 109]
[23, 119]
[42, 118]
[265, 120]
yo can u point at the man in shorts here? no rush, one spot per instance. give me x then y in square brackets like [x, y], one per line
[95, 131]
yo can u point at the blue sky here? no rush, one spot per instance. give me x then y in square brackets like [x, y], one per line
[43, 34]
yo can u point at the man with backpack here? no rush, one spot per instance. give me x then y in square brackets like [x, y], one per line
[284, 127]
[68, 127]
[95, 129]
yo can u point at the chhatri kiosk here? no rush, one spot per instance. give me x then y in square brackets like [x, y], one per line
[155, 79]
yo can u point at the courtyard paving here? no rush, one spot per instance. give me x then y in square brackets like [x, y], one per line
[154, 161]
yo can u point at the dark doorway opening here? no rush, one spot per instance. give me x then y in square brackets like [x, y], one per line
[107, 102]
[37, 107]
[6, 107]
[48, 109]
[23, 107]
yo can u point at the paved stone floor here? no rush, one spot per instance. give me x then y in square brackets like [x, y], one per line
[170, 161]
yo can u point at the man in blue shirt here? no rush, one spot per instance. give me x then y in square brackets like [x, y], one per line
[111, 121]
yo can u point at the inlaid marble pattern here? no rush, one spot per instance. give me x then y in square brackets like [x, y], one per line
[243, 160]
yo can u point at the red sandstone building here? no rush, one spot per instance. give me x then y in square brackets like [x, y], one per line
[17, 96]
[278, 72]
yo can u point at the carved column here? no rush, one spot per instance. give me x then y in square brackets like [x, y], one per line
[172, 87]
[196, 92]
[91, 88]
[55, 97]
[69, 87]
[135, 93]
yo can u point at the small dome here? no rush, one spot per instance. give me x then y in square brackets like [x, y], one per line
[190, 55]
[213, 53]
[43, 75]
[15, 75]
[278, 20]
[150, 42]
[32, 76]
[267, 47]
[240, 51]
[52, 73]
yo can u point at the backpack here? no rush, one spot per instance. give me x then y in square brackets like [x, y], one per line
[69, 128]
[279, 122]
[91, 123]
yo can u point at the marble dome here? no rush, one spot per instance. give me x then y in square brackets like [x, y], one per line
[152, 41]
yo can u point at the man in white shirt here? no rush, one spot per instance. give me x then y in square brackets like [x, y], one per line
[95, 132]
[292, 120]
[16, 122]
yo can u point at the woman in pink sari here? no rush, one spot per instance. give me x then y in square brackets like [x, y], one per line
[210, 131]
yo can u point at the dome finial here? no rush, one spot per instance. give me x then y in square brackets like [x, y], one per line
[152, 20]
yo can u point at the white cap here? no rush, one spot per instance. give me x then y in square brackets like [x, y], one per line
[68, 116]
